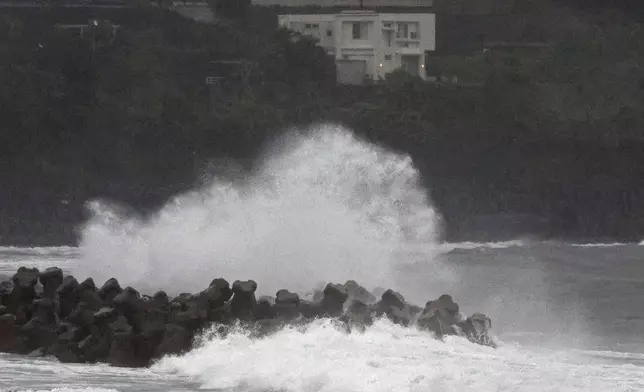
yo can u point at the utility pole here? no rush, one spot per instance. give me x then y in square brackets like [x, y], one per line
[94, 26]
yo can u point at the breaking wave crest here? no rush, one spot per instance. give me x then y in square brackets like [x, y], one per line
[323, 206]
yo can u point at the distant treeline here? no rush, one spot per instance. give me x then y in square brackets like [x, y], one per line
[127, 115]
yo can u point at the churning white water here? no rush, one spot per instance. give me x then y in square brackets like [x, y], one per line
[326, 206]
[322, 207]
[388, 358]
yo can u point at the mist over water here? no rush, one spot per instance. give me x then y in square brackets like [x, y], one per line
[322, 206]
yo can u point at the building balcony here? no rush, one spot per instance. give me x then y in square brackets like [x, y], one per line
[416, 50]
[357, 46]
[417, 39]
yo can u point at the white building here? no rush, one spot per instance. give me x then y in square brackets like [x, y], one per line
[370, 44]
[346, 3]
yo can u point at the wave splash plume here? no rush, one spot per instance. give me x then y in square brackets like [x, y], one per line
[323, 206]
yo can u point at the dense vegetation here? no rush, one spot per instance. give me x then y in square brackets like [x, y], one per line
[556, 132]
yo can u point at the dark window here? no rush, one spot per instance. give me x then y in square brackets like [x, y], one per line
[403, 30]
[329, 33]
[356, 31]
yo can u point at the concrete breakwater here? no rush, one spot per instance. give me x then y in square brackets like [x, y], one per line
[49, 314]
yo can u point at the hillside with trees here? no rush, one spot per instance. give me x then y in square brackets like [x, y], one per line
[125, 114]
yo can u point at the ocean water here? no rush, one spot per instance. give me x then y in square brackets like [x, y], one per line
[554, 354]
[324, 206]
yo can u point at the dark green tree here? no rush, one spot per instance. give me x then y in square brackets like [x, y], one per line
[233, 9]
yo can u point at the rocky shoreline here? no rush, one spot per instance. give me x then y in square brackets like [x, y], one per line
[49, 314]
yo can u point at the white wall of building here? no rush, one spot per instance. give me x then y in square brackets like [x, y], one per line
[384, 41]
[346, 3]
